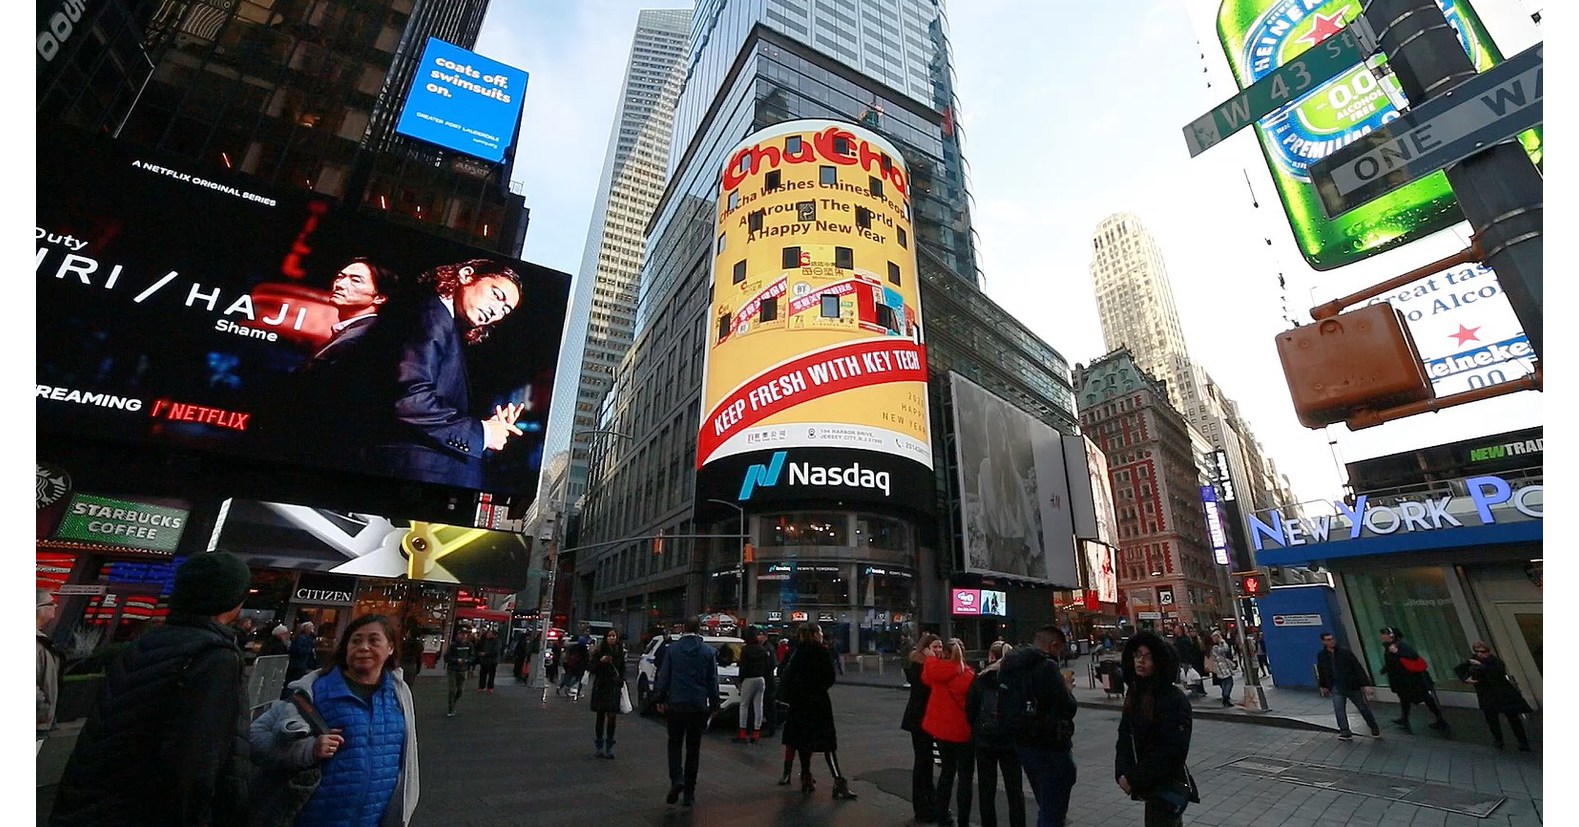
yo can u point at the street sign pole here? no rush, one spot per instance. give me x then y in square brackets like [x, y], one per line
[1499, 189]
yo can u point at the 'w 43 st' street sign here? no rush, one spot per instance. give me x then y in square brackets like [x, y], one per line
[1288, 83]
[1489, 108]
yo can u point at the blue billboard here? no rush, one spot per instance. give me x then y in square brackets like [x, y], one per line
[463, 101]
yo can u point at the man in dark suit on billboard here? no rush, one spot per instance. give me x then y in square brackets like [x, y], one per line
[434, 436]
[336, 387]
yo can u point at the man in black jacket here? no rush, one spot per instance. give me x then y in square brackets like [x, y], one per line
[167, 744]
[1340, 675]
[1189, 656]
[1044, 753]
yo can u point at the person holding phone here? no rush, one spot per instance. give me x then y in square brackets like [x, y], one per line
[353, 724]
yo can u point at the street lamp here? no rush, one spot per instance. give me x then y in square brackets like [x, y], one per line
[741, 620]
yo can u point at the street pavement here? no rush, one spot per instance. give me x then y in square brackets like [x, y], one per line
[506, 758]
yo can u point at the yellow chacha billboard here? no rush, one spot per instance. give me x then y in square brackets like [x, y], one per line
[815, 357]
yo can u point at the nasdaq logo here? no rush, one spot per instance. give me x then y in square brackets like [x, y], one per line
[763, 475]
[806, 474]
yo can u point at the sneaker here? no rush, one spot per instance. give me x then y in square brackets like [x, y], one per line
[450, 714]
[1345, 736]
[1376, 732]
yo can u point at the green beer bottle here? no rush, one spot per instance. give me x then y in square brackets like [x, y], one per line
[1257, 37]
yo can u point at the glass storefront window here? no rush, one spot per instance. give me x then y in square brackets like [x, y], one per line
[881, 532]
[792, 585]
[1416, 600]
[804, 529]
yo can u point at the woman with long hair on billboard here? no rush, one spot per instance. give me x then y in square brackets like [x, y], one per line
[1005, 504]
[434, 435]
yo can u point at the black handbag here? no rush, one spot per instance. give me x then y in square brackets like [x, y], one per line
[1175, 794]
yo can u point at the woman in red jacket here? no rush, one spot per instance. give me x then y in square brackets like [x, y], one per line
[949, 679]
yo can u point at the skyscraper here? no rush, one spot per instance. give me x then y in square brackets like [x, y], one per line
[296, 95]
[1135, 303]
[754, 64]
[603, 301]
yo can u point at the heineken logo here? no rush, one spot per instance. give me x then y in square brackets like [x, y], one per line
[1333, 114]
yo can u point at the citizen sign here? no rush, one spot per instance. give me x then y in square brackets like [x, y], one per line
[323, 595]
[1489, 501]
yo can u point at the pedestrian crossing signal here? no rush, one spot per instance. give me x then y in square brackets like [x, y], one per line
[1254, 585]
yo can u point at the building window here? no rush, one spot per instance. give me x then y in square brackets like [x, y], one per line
[770, 310]
[792, 144]
[740, 271]
[843, 257]
[828, 175]
[804, 529]
[904, 241]
[791, 258]
[830, 307]
[863, 218]
[721, 238]
[841, 146]
[875, 184]
[893, 273]
[772, 180]
[734, 199]
[755, 221]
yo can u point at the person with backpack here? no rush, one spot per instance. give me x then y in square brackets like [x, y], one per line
[1409, 677]
[994, 744]
[950, 679]
[1153, 731]
[1035, 702]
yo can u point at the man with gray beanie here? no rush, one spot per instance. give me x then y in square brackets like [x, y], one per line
[167, 744]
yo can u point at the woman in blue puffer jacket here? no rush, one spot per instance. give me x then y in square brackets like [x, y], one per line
[364, 750]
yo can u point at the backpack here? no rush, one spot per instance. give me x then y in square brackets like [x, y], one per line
[1018, 712]
[987, 728]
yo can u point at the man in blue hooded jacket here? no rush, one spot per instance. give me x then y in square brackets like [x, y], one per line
[687, 694]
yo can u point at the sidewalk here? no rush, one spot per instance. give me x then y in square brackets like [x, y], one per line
[1290, 708]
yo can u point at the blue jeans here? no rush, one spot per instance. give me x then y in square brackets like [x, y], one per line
[1340, 707]
[1052, 776]
[1228, 689]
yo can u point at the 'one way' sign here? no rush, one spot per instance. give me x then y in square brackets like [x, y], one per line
[1484, 110]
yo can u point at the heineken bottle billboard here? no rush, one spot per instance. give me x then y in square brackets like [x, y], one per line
[1257, 37]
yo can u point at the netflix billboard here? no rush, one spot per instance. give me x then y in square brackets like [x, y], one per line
[188, 307]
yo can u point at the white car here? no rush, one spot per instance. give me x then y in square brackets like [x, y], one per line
[728, 672]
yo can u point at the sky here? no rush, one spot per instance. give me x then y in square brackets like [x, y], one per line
[1070, 112]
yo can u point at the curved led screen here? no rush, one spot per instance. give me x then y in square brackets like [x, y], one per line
[816, 380]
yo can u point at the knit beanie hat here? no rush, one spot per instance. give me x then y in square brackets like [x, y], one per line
[210, 584]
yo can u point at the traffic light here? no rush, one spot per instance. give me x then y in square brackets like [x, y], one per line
[1351, 363]
[1254, 584]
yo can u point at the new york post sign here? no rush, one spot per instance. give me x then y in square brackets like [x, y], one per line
[1484, 501]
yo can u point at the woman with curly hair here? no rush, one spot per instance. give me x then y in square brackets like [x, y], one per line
[435, 436]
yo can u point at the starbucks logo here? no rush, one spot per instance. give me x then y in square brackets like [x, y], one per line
[52, 485]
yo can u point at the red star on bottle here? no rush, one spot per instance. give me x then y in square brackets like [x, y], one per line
[1465, 334]
[1323, 28]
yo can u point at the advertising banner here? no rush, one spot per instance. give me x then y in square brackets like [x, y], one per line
[1257, 37]
[1090, 491]
[463, 101]
[966, 601]
[1214, 524]
[285, 536]
[1099, 562]
[1014, 497]
[816, 340]
[187, 307]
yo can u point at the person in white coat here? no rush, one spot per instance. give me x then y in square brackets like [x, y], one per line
[1222, 665]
